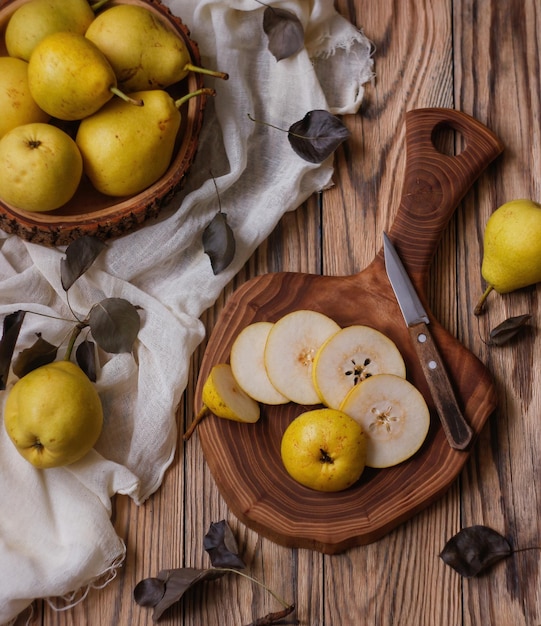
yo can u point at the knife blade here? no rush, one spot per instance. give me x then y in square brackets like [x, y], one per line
[457, 430]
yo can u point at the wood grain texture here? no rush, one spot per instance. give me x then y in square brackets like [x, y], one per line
[481, 57]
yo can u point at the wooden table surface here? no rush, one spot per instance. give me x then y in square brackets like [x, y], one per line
[482, 57]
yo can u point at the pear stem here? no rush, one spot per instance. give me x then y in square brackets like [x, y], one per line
[73, 337]
[197, 419]
[96, 6]
[125, 97]
[205, 91]
[480, 306]
[203, 70]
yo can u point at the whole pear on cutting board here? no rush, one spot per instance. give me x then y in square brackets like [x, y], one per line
[36, 19]
[126, 148]
[144, 52]
[512, 248]
[69, 77]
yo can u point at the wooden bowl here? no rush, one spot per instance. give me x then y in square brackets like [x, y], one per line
[90, 212]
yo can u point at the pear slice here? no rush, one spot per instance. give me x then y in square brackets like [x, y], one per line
[223, 396]
[394, 416]
[248, 364]
[350, 356]
[290, 350]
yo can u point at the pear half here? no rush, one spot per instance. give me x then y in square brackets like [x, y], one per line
[393, 415]
[248, 364]
[290, 350]
[222, 396]
[351, 356]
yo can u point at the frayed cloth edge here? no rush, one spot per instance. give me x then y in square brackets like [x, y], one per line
[73, 598]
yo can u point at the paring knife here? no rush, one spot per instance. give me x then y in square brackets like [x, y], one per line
[456, 428]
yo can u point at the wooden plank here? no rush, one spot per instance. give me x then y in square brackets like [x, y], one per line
[393, 581]
[480, 56]
[497, 71]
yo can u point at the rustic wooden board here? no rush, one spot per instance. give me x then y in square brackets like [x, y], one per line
[90, 212]
[245, 460]
[482, 57]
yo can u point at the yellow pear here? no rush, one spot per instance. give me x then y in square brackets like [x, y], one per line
[126, 148]
[512, 248]
[16, 103]
[36, 19]
[144, 52]
[53, 415]
[40, 167]
[69, 77]
[324, 449]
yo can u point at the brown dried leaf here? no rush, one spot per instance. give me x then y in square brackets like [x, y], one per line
[284, 31]
[317, 135]
[115, 324]
[221, 546]
[41, 352]
[80, 254]
[219, 243]
[508, 329]
[474, 549]
[169, 587]
[85, 355]
[275, 617]
[10, 334]
[149, 591]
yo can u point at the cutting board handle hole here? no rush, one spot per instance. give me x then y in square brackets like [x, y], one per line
[447, 140]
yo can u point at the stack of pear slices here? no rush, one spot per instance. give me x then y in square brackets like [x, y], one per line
[307, 358]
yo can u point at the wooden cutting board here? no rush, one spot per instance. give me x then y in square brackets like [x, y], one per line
[245, 458]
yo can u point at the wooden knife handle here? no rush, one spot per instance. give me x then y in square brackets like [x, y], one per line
[456, 428]
[435, 183]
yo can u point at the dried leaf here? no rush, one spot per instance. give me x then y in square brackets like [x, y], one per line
[317, 135]
[10, 334]
[175, 583]
[474, 549]
[39, 353]
[80, 254]
[85, 355]
[221, 546]
[219, 243]
[284, 31]
[505, 331]
[149, 592]
[114, 323]
[275, 617]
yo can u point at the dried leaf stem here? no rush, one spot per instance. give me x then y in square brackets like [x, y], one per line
[254, 580]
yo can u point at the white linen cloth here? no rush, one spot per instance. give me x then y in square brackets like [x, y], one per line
[55, 530]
